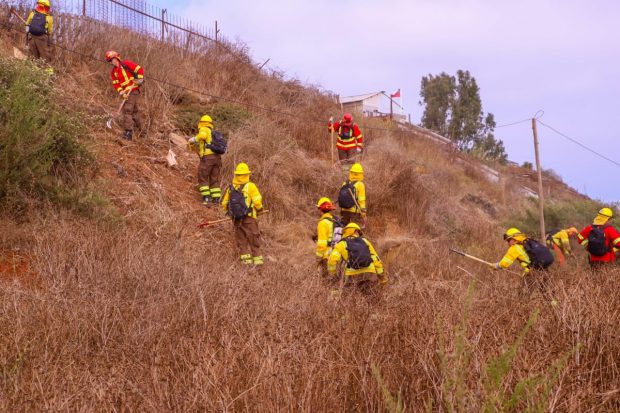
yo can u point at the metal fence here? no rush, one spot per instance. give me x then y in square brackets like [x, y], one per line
[140, 17]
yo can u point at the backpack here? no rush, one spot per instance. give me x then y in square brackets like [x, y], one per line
[37, 24]
[540, 256]
[348, 134]
[346, 197]
[237, 208]
[337, 231]
[218, 144]
[359, 253]
[597, 242]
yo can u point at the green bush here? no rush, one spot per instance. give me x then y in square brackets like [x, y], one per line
[41, 159]
[559, 215]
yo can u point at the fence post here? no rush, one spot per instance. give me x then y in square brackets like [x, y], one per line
[83, 7]
[217, 40]
[163, 23]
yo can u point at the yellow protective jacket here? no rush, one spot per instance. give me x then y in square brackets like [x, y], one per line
[253, 198]
[562, 240]
[325, 232]
[49, 21]
[340, 253]
[516, 252]
[360, 192]
[202, 140]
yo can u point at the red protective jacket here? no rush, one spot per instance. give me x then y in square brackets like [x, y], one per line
[612, 238]
[348, 135]
[123, 79]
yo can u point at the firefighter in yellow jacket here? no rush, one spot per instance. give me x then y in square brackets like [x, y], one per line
[364, 268]
[243, 202]
[39, 25]
[210, 165]
[352, 197]
[559, 242]
[329, 233]
[516, 253]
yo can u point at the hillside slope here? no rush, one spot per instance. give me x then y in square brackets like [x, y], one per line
[138, 309]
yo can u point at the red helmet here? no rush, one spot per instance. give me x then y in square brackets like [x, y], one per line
[111, 54]
[347, 118]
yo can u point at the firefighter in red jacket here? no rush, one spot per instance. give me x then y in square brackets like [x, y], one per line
[127, 77]
[350, 141]
[601, 239]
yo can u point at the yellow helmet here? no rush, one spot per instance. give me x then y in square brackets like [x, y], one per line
[353, 225]
[44, 2]
[206, 119]
[357, 168]
[572, 231]
[606, 212]
[322, 201]
[242, 169]
[511, 233]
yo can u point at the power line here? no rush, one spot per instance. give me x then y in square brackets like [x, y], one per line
[514, 123]
[576, 142]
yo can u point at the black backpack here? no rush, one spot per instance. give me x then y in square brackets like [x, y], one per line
[218, 144]
[597, 242]
[37, 24]
[348, 134]
[337, 232]
[359, 253]
[540, 256]
[346, 197]
[237, 208]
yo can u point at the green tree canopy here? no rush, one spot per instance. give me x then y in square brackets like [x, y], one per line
[453, 108]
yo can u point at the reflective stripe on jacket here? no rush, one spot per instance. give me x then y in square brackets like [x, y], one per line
[346, 144]
[612, 239]
[122, 79]
[203, 139]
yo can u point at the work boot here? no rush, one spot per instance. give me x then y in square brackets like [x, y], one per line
[206, 200]
[128, 134]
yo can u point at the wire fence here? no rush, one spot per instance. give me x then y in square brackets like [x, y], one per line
[137, 16]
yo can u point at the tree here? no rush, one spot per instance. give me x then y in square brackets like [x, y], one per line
[453, 108]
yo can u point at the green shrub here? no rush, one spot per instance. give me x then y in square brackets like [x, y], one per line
[577, 213]
[41, 159]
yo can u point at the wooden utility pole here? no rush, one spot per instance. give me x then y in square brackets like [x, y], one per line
[163, 23]
[541, 195]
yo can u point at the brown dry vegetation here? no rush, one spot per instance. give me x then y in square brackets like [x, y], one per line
[146, 313]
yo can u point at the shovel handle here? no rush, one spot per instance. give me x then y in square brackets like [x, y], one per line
[471, 257]
[18, 16]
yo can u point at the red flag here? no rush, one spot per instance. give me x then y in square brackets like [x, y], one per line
[395, 94]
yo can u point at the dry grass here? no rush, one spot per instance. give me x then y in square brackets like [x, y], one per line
[147, 313]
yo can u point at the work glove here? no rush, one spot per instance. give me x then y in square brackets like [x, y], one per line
[125, 94]
[27, 29]
[139, 82]
[192, 139]
[331, 119]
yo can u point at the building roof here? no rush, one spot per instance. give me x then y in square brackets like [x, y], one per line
[359, 98]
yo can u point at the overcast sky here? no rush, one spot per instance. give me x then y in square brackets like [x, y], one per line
[558, 56]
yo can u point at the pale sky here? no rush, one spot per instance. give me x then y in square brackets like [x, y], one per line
[560, 56]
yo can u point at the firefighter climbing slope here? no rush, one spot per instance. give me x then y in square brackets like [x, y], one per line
[533, 257]
[243, 202]
[329, 233]
[350, 141]
[127, 77]
[352, 197]
[559, 242]
[39, 25]
[364, 269]
[210, 145]
[601, 239]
